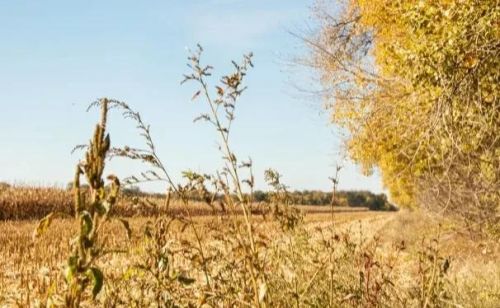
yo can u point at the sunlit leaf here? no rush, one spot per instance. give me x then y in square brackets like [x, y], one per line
[43, 225]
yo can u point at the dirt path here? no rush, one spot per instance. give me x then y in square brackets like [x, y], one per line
[363, 228]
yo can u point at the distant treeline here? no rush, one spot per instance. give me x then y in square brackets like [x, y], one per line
[375, 202]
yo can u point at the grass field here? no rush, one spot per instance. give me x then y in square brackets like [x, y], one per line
[384, 248]
[30, 270]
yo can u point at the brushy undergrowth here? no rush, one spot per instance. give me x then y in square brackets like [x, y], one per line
[358, 260]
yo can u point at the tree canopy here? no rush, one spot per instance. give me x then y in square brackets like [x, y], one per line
[415, 85]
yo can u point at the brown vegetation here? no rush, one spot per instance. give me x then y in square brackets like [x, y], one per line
[383, 250]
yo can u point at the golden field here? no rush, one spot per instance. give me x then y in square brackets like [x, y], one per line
[360, 259]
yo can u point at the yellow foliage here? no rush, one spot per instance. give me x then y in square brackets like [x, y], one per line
[415, 83]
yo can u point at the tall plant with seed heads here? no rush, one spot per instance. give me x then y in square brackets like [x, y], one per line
[81, 270]
[92, 207]
[222, 106]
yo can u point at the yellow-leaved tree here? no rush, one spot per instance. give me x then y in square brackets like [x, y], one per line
[415, 85]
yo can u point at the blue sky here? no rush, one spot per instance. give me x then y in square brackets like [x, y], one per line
[58, 56]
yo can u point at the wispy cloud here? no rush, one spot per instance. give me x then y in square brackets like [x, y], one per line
[237, 27]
